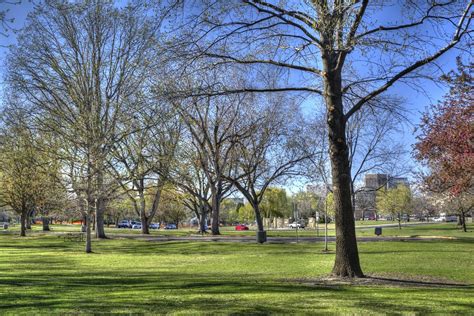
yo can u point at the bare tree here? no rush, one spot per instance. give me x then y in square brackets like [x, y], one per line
[270, 154]
[191, 179]
[337, 51]
[214, 124]
[76, 64]
[6, 20]
[142, 160]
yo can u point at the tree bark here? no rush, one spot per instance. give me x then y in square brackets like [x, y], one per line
[399, 221]
[216, 196]
[23, 217]
[88, 234]
[88, 215]
[203, 218]
[463, 221]
[28, 220]
[144, 220]
[258, 218]
[45, 221]
[100, 208]
[347, 257]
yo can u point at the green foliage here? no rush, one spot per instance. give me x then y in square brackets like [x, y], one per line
[171, 208]
[231, 211]
[275, 203]
[394, 202]
[246, 214]
[29, 176]
[330, 207]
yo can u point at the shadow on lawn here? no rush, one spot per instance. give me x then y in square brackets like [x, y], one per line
[170, 292]
[142, 292]
[418, 283]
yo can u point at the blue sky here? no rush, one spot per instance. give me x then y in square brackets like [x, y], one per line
[415, 101]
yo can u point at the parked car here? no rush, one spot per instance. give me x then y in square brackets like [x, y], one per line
[137, 226]
[451, 218]
[241, 227]
[154, 226]
[124, 224]
[296, 225]
[171, 226]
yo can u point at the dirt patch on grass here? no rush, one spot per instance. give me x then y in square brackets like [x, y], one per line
[386, 280]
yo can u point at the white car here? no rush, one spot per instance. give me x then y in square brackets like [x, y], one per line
[137, 226]
[296, 225]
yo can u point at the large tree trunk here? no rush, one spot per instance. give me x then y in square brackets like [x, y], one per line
[215, 217]
[347, 255]
[99, 220]
[144, 220]
[463, 221]
[260, 228]
[353, 199]
[23, 217]
[100, 208]
[88, 215]
[203, 218]
[45, 221]
[88, 234]
[399, 217]
[258, 218]
[216, 201]
[28, 219]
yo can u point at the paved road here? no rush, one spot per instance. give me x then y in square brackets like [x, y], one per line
[271, 240]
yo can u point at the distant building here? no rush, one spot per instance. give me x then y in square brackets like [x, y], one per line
[379, 180]
[365, 199]
[396, 181]
[376, 181]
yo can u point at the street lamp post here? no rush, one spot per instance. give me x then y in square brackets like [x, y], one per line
[326, 225]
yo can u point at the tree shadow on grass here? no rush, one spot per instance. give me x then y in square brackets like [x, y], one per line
[142, 292]
[171, 292]
[376, 280]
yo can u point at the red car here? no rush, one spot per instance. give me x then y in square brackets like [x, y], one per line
[241, 227]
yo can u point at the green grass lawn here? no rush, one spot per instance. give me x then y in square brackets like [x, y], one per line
[44, 274]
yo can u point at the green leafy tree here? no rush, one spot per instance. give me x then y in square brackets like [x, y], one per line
[230, 210]
[28, 176]
[395, 202]
[275, 202]
[172, 208]
[246, 213]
